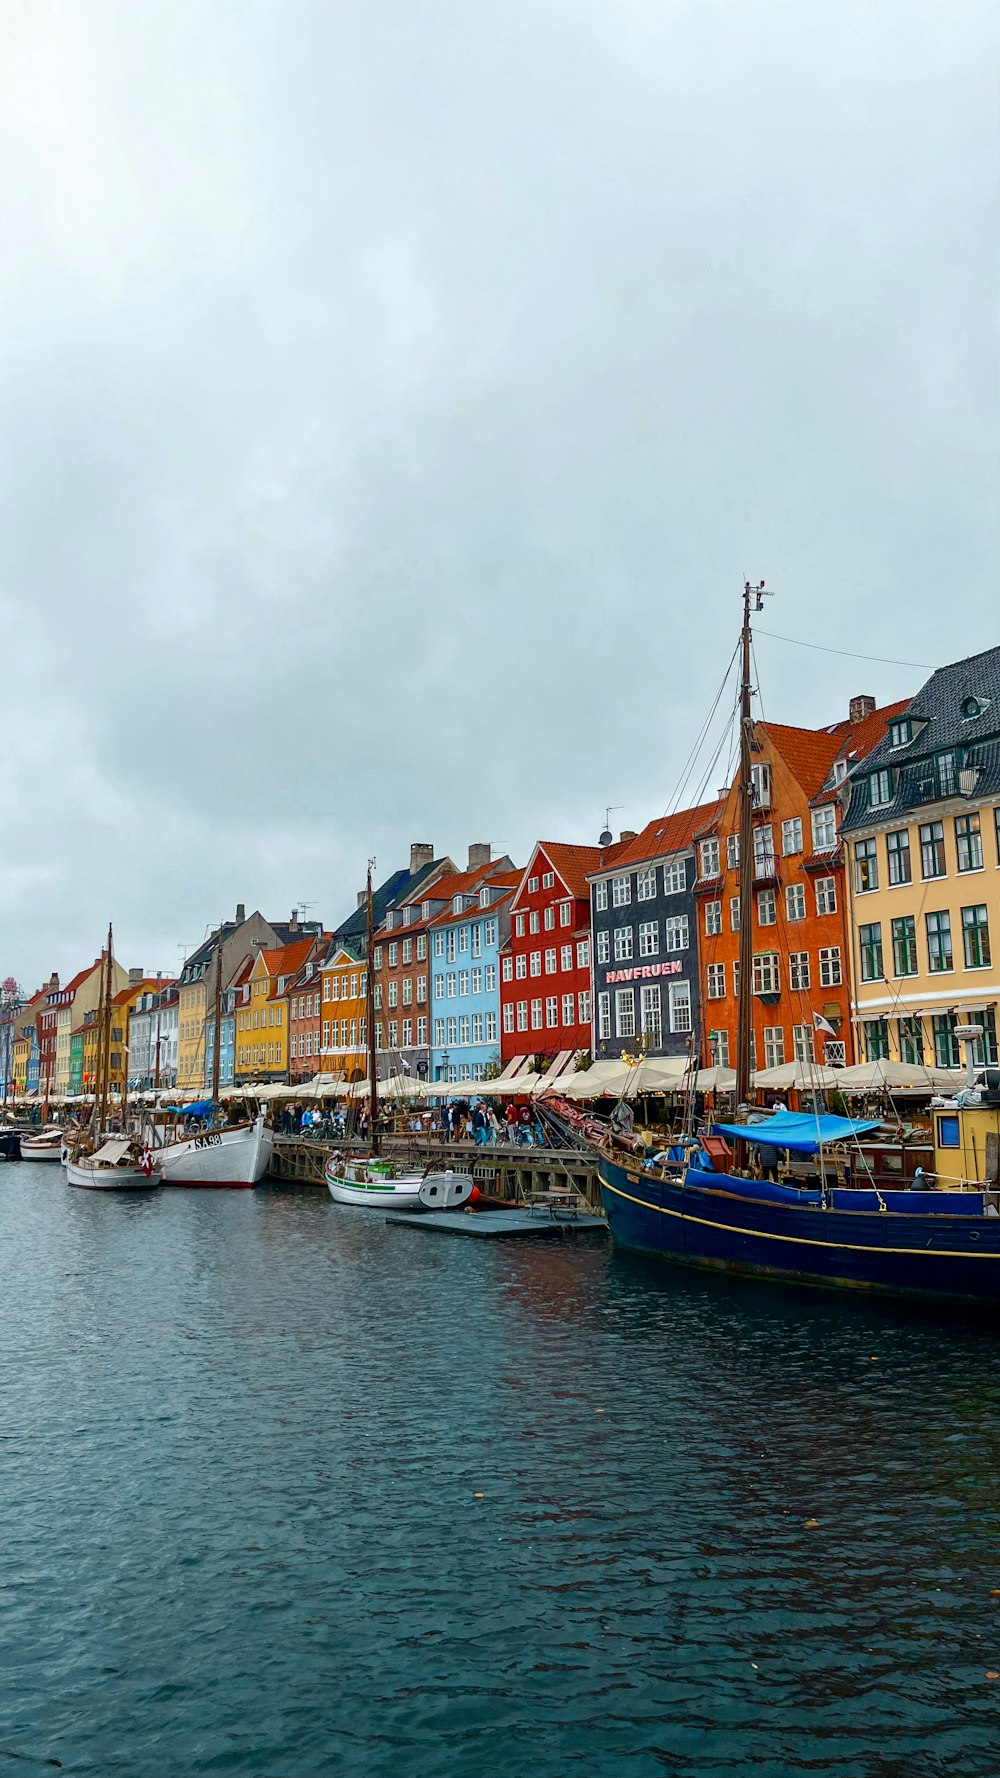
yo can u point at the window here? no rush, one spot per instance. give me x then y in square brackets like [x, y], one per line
[900, 733]
[439, 944]
[761, 776]
[521, 966]
[407, 990]
[680, 1006]
[422, 947]
[452, 987]
[623, 943]
[421, 1031]
[491, 1027]
[550, 919]
[490, 978]
[519, 925]
[407, 948]
[532, 922]
[946, 773]
[463, 981]
[393, 954]
[508, 969]
[407, 1033]
[449, 947]
[968, 842]
[774, 1046]
[897, 847]
[798, 971]
[421, 989]
[766, 907]
[393, 1037]
[604, 1016]
[904, 946]
[708, 853]
[463, 938]
[996, 824]
[550, 962]
[734, 913]
[536, 963]
[791, 836]
[984, 1049]
[549, 880]
[601, 896]
[645, 884]
[649, 938]
[675, 876]
[522, 1015]
[489, 933]
[713, 918]
[803, 1043]
[625, 1012]
[763, 852]
[566, 914]
[826, 895]
[378, 957]
[932, 849]
[880, 788]
[603, 946]
[910, 1032]
[675, 933]
[876, 1040]
[716, 981]
[766, 973]
[976, 937]
[566, 956]
[870, 941]
[939, 951]
[946, 1050]
[552, 1011]
[583, 1005]
[568, 1010]
[795, 901]
[824, 826]
[649, 1015]
[866, 866]
[508, 1018]
[719, 1041]
[583, 953]
[532, 885]
[732, 851]
[621, 891]
[536, 1015]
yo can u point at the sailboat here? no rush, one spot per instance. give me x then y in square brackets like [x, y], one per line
[210, 1153]
[368, 1179]
[114, 1163]
[703, 1206]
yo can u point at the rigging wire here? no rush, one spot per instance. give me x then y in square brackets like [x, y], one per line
[848, 653]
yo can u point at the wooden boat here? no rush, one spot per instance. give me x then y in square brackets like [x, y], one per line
[231, 1155]
[115, 1167]
[47, 1146]
[372, 1183]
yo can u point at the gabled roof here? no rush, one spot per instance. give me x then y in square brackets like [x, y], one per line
[661, 836]
[76, 984]
[808, 753]
[469, 883]
[400, 887]
[287, 959]
[572, 864]
[147, 984]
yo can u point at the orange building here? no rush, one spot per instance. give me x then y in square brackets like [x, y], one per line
[262, 1025]
[344, 1025]
[801, 945]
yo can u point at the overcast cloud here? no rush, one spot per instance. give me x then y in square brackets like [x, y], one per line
[396, 392]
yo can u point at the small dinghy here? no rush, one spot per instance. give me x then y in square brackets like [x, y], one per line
[445, 1191]
[46, 1147]
[114, 1168]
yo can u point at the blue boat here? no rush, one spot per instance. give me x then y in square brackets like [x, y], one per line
[926, 1243]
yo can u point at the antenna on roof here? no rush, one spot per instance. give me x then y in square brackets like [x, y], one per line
[607, 836]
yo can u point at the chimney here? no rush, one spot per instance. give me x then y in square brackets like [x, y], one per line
[53, 981]
[420, 856]
[293, 924]
[241, 912]
[135, 976]
[479, 855]
[362, 897]
[861, 706]
[627, 833]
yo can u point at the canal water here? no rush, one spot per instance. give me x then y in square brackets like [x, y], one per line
[286, 1491]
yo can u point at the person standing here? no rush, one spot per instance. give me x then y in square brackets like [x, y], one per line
[510, 1118]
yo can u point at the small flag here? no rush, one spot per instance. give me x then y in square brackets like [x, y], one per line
[403, 1063]
[821, 1024]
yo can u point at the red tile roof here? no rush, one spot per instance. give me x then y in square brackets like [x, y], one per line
[574, 864]
[666, 833]
[288, 958]
[866, 734]
[808, 753]
[148, 982]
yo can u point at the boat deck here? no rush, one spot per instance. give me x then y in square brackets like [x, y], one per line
[498, 1224]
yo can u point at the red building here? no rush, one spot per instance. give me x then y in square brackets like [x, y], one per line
[545, 975]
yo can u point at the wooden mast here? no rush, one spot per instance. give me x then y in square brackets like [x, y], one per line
[745, 806]
[370, 1015]
[103, 1067]
[216, 1058]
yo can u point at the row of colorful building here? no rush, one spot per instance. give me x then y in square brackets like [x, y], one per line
[876, 903]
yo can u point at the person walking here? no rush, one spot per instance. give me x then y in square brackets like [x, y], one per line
[510, 1118]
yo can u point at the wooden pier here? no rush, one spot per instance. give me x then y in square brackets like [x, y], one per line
[516, 1175]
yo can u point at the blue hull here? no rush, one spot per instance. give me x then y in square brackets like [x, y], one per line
[710, 1219]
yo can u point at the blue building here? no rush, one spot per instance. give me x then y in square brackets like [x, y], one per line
[645, 943]
[465, 944]
[227, 1041]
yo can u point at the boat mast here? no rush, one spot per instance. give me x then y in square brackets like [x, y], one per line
[370, 1016]
[218, 1008]
[745, 1000]
[103, 1069]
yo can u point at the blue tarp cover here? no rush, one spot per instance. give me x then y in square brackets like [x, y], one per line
[800, 1131]
[201, 1108]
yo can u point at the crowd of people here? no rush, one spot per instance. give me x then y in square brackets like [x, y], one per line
[460, 1120]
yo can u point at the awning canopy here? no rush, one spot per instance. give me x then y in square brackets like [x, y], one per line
[799, 1131]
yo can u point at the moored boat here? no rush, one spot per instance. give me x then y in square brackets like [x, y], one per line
[115, 1167]
[372, 1183]
[47, 1146]
[231, 1155]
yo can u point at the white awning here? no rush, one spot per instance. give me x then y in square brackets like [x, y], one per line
[113, 1151]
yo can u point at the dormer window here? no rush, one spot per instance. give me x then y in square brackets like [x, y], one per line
[880, 789]
[408, 914]
[484, 898]
[972, 707]
[839, 771]
[900, 733]
[456, 904]
[390, 919]
[425, 910]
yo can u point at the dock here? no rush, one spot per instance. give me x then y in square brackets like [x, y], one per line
[516, 1175]
[499, 1224]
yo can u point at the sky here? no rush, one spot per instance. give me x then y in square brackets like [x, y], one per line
[396, 394]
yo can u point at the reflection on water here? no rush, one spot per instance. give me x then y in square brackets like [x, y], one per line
[285, 1490]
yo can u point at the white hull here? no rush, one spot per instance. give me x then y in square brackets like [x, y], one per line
[234, 1157]
[108, 1179]
[370, 1187]
[41, 1151]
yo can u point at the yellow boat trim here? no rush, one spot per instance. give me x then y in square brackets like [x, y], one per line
[795, 1240]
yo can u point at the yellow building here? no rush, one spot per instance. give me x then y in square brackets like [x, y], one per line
[922, 832]
[196, 987]
[344, 1027]
[74, 1002]
[262, 1010]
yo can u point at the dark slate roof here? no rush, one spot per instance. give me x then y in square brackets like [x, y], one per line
[400, 886]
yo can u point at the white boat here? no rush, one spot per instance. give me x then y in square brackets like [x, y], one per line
[445, 1191]
[372, 1183]
[48, 1146]
[237, 1155]
[112, 1169]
